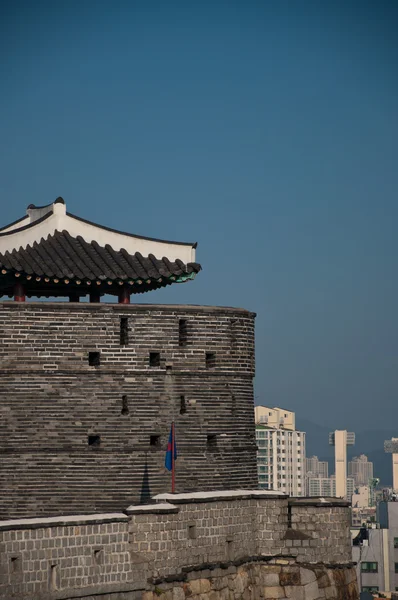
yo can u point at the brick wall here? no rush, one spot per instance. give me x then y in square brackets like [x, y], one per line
[126, 554]
[324, 534]
[52, 400]
[44, 559]
[208, 532]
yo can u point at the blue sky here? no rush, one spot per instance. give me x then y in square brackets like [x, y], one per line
[266, 131]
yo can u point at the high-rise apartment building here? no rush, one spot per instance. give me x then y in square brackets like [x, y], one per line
[326, 486]
[275, 417]
[340, 439]
[280, 451]
[316, 467]
[361, 470]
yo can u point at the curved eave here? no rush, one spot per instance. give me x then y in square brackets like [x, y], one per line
[42, 286]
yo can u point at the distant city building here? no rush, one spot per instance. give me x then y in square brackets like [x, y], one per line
[317, 468]
[280, 451]
[277, 418]
[363, 516]
[375, 551]
[363, 509]
[391, 447]
[340, 439]
[361, 470]
[361, 497]
[326, 486]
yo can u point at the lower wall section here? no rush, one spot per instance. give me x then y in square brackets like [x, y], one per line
[277, 579]
[232, 545]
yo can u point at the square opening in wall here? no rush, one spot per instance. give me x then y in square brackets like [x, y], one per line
[154, 359]
[94, 359]
[124, 331]
[54, 577]
[192, 531]
[210, 360]
[154, 440]
[15, 564]
[183, 405]
[98, 555]
[211, 441]
[125, 405]
[94, 440]
[182, 332]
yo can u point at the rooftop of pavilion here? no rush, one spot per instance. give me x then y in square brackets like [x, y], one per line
[53, 253]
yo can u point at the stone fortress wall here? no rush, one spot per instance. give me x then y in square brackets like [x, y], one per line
[88, 393]
[248, 545]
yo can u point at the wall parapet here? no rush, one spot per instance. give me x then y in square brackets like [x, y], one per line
[64, 521]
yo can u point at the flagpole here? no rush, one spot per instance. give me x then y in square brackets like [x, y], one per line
[173, 481]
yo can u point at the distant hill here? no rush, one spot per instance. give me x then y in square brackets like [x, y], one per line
[369, 442]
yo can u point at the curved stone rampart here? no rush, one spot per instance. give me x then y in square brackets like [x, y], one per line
[89, 392]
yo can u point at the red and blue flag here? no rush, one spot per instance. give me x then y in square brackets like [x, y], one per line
[171, 450]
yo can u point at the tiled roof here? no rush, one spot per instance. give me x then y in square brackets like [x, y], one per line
[61, 256]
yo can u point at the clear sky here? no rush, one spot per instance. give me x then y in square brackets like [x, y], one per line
[266, 131]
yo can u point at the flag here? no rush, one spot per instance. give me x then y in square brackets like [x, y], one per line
[171, 449]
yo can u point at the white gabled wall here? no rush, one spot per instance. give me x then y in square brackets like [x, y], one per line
[59, 221]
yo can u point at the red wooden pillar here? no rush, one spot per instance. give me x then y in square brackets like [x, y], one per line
[95, 297]
[124, 296]
[19, 292]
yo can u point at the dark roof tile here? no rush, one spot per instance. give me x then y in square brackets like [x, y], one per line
[63, 256]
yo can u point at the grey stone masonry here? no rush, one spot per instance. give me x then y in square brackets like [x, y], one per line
[277, 579]
[127, 553]
[88, 393]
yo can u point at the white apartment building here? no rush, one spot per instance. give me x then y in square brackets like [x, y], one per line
[281, 451]
[326, 486]
[275, 417]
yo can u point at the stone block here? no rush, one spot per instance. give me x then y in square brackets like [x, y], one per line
[311, 591]
[274, 592]
[289, 576]
[270, 579]
[323, 580]
[224, 593]
[295, 592]
[205, 586]
[194, 587]
[306, 576]
[178, 593]
[331, 592]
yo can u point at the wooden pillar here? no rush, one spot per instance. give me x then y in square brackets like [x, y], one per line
[74, 298]
[124, 296]
[95, 297]
[19, 292]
